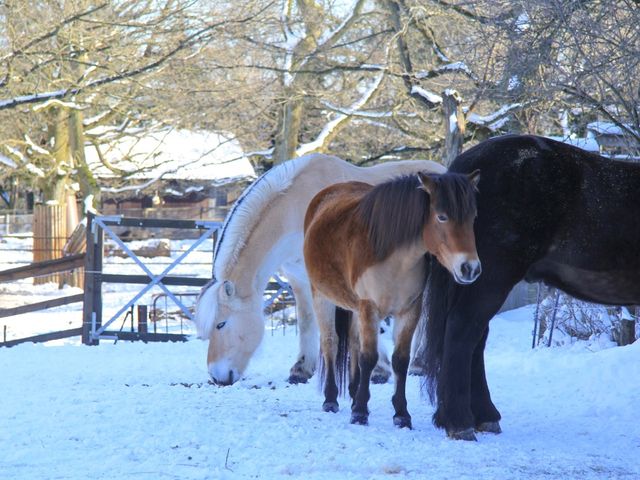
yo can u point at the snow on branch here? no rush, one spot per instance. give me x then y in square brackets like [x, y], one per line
[430, 97]
[331, 128]
[54, 102]
[453, 67]
[365, 113]
[496, 120]
[6, 161]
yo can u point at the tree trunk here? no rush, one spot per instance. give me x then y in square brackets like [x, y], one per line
[88, 185]
[454, 124]
[286, 140]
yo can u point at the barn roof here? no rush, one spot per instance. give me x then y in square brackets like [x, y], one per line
[171, 154]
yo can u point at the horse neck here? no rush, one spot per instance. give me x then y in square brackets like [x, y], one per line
[274, 240]
[255, 266]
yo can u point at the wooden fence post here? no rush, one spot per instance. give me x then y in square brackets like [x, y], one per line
[92, 286]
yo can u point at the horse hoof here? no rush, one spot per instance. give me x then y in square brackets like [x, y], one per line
[298, 374]
[330, 407]
[489, 427]
[379, 379]
[380, 375]
[296, 378]
[402, 422]
[466, 434]
[359, 419]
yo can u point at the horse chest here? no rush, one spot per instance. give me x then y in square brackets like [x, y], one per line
[392, 285]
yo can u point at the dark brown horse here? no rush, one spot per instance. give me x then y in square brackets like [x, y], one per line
[364, 250]
[547, 211]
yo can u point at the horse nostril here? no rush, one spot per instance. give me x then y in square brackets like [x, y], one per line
[466, 270]
[477, 271]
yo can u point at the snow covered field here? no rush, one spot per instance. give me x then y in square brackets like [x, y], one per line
[136, 411]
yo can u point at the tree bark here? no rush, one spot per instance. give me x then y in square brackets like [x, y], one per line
[454, 125]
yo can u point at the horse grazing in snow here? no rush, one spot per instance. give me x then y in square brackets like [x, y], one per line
[365, 250]
[262, 233]
[547, 211]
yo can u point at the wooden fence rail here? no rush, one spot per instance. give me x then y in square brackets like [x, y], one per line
[45, 267]
[40, 269]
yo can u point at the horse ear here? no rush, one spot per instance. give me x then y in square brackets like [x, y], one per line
[428, 185]
[229, 288]
[474, 178]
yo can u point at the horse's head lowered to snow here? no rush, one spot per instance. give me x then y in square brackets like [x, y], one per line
[229, 321]
[449, 230]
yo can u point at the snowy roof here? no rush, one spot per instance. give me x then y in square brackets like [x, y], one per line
[172, 154]
[588, 144]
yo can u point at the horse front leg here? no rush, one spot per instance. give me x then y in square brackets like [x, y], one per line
[325, 317]
[403, 331]
[367, 359]
[305, 365]
[486, 415]
[453, 412]
[462, 387]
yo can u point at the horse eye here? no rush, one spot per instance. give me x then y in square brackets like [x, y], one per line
[442, 218]
[220, 325]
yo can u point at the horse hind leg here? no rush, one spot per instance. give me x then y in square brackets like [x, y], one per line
[325, 312]
[404, 329]
[417, 366]
[367, 359]
[382, 371]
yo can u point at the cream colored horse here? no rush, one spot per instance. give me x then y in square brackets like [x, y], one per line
[263, 233]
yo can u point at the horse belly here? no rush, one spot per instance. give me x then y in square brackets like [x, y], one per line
[612, 287]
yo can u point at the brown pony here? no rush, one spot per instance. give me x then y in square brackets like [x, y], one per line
[364, 250]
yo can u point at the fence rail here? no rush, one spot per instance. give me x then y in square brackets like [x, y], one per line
[39, 269]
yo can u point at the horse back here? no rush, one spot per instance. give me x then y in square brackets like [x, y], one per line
[338, 198]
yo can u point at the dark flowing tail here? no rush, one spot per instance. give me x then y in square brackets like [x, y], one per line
[343, 325]
[439, 295]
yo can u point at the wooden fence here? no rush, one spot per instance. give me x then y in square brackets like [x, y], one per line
[46, 269]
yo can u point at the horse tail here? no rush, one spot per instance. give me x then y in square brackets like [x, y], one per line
[439, 294]
[343, 319]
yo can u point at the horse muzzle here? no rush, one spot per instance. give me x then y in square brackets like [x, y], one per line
[468, 272]
[222, 375]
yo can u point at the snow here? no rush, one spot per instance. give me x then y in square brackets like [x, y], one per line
[429, 96]
[6, 161]
[609, 128]
[453, 122]
[172, 154]
[588, 144]
[146, 411]
[19, 100]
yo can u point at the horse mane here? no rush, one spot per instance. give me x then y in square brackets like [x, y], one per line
[247, 211]
[395, 212]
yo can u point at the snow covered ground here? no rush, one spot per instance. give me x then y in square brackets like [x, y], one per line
[146, 411]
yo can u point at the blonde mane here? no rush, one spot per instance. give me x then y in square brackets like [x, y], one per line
[248, 210]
